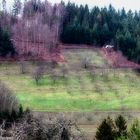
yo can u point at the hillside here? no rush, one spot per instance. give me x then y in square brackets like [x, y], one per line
[69, 72]
[96, 87]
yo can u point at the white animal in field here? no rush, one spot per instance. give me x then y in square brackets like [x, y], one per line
[109, 46]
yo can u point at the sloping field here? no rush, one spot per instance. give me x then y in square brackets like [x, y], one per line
[97, 87]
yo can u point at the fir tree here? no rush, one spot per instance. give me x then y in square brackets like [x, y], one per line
[106, 130]
[121, 126]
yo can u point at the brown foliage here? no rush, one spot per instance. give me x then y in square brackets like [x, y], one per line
[40, 26]
[7, 101]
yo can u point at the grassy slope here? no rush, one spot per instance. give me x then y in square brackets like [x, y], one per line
[82, 90]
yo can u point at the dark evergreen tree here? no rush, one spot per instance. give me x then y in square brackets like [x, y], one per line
[106, 130]
[121, 126]
[6, 46]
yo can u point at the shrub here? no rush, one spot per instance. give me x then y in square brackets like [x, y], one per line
[35, 128]
[134, 132]
[9, 108]
[7, 101]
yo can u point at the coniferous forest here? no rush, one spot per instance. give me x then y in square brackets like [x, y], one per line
[101, 26]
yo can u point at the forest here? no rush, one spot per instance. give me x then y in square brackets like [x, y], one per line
[101, 26]
[77, 25]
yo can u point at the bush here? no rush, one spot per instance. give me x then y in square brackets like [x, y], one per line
[9, 108]
[134, 132]
[36, 128]
[7, 101]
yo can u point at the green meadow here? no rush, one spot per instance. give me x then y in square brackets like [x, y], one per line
[96, 88]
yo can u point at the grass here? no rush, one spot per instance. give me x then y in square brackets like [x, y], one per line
[83, 90]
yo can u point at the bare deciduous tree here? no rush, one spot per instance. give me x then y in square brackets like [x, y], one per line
[42, 128]
[23, 67]
[86, 62]
[38, 73]
[53, 75]
[64, 70]
[37, 27]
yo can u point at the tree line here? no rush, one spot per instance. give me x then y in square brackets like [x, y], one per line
[101, 26]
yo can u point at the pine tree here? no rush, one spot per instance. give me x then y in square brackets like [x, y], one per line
[121, 126]
[6, 46]
[106, 130]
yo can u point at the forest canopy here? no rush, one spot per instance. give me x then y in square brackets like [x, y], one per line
[40, 21]
[101, 26]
